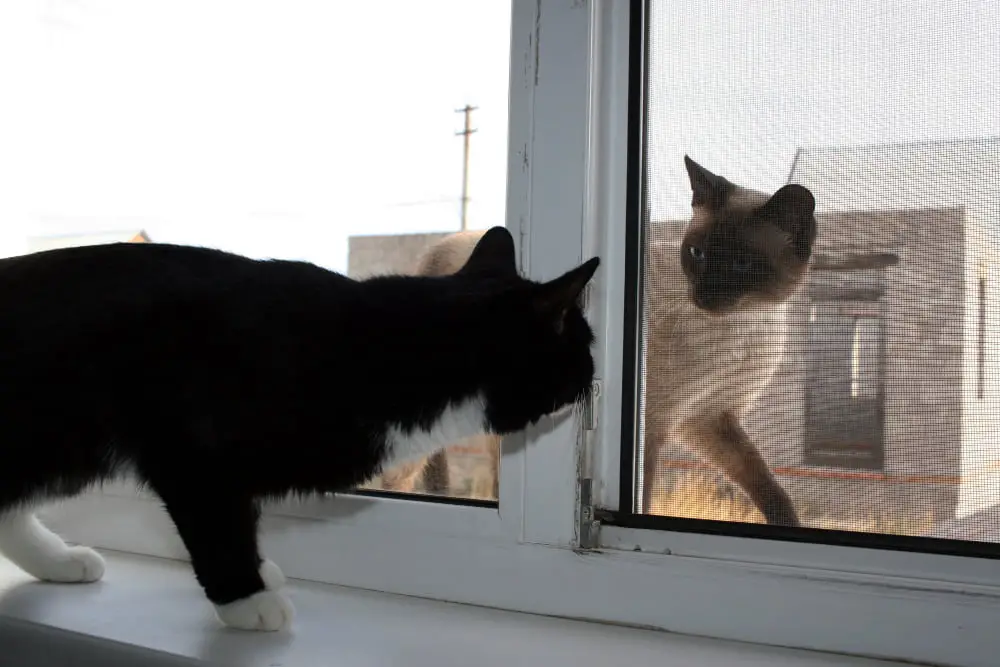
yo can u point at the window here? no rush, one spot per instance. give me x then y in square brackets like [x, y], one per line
[835, 396]
[981, 340]
[843, 369]
[605, 99]
[866, 356]
[276, 148]
[844, 404]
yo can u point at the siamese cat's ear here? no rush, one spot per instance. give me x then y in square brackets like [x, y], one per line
[791, 209]
[554, 298]
[707, 189]
[493, 254]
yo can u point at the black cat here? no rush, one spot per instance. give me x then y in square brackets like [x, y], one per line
[220, 381]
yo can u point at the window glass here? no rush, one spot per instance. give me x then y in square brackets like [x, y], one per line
[299, 130]
[835, 376]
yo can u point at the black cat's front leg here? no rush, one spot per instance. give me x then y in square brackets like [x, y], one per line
[219, 529]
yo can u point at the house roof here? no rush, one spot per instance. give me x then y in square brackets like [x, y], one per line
[379, 254]
[887, 177]
[38, 243]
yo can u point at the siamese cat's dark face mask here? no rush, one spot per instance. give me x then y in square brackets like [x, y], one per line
[743, 248]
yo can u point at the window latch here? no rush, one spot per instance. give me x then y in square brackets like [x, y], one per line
[589, 527]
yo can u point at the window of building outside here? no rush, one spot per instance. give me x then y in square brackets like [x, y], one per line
[981, 341]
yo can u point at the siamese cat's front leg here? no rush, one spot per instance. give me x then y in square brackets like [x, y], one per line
[722, 441]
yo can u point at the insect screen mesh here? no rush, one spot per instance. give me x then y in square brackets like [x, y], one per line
[851, 380]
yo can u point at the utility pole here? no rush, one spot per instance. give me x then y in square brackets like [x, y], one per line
[465, 134]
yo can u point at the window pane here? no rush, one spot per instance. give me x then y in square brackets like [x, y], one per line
[866, 358]
[294, 129]
[842, 381]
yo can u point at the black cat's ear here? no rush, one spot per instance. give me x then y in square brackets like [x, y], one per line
[707, 189]
[554, 298]
[494, 254]
[791, 210]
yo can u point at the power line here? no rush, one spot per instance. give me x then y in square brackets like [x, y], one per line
[423, 202]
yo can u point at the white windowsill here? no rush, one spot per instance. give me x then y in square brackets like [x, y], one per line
[153, 608]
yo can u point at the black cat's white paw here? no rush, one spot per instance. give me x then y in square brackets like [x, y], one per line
[267, 611]
[43, 554]
[272, 575]
[70, 565]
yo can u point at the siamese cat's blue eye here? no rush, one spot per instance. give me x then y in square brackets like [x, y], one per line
[695, 252]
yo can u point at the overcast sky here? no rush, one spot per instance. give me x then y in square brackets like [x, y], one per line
[280, 128]
[272, 128]
[741, 84]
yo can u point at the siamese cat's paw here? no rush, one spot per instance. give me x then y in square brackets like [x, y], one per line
[267, 611]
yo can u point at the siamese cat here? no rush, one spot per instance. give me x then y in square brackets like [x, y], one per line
[717, 316]
[443, 258]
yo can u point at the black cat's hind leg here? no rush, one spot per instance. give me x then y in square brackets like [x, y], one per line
[27, 543]
[219, 528]
[33, 477]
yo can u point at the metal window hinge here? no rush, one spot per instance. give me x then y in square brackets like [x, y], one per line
[590, 406]
[590, 527]
[586, 296]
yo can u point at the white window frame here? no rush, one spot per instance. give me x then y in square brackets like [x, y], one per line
[546, 206]
[566, 202]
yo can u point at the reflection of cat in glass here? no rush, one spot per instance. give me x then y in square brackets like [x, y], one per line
[432, 473]
[717, 313]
